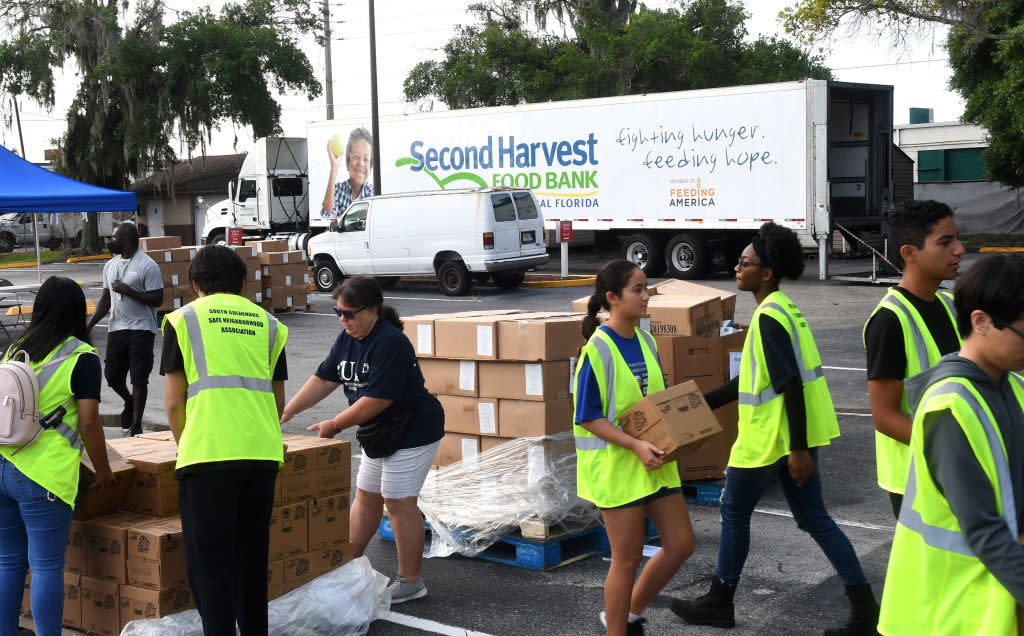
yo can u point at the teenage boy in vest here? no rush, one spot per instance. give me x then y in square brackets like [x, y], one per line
[132, 290]
[224, 367]
[956, 566]
[912, 327]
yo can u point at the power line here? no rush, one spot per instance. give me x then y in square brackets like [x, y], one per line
[851, 68]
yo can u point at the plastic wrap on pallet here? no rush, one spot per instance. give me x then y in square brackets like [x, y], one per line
[342, 602]
[475, 502]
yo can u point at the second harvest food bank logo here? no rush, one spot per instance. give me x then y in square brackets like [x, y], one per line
[691, 193]
[570, 181]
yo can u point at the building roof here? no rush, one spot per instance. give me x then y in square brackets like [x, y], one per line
[195, 176]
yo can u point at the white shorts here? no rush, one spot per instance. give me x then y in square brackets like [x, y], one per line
[399, 475]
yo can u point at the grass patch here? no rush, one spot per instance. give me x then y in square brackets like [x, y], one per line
[29, 258]
[973, 241]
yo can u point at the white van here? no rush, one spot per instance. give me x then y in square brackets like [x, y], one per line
[457, 235]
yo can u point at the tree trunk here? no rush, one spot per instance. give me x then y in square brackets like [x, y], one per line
[91, 243]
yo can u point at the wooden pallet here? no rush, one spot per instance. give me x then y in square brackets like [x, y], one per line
[532, 554]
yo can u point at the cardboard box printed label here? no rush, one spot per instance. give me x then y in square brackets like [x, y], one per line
[334, 557]
[72, 600]
[153, 490]
[420, 329]
[100, 606]
[138, 603]
[685, 316]
[106, 539]
[300, 569]
[456, 447]
[289, 530]
[74, 555]
[450, 377]
[676, 420]
[539, 336]
[473, 416]
[156, 555]
[328, 522]
[540, 381]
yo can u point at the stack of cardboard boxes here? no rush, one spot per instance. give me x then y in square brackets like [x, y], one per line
[686, 322]
[277, 278]
[130, 564]
[498, 375]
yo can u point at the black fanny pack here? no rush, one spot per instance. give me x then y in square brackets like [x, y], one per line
[382, 436]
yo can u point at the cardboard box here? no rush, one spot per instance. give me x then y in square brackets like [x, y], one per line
[709, 462]
[273, 298]
[74, 555]
[296, 295]
[106, 541]
[153, 490]
[159, 436]
[673, 287]
[487, 442]
[420, 329]
[450, 377]
[335, 557]
[72, 601]
[526, 418]
[129, 447]
[685, 315]
[90, 502]
[153, 243]
[282, 257]
[289, 530]
[170, 303]
[731, 347]
[171, 279]
[275, 580]
[456, 447]
[139, 603]
[333, 468]
[175, 267]
[156, 555]
[300, 569]
[275, 245]
[474, 416]
[691, 358]
[532, 337]
[328, 522]
[298, 473]
[539, 381]
[247, 252]
[254, 275]
[676, 420]
[100, 606]
[472, 338]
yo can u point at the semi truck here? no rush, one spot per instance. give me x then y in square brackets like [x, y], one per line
[676, 182]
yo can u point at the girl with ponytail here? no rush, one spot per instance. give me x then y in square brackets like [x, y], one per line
[620, 474]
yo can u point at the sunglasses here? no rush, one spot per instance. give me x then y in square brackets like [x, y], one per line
[347, 314]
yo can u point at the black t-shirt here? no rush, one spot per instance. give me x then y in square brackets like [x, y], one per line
[887, 355]
[86, 377]
[383, 365]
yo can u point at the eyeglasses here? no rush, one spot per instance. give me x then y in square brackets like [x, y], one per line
[1011, 328]
[347, 314]
[742, 264]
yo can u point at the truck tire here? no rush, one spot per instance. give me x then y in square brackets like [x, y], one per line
[453, 278]
[326, 275]
[387, 282]
[508, 280]
[643, 251]
[217, 239]
[6, 243]
[686, 256]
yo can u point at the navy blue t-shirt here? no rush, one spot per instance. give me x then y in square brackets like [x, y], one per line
[383, 365]
[588, 395]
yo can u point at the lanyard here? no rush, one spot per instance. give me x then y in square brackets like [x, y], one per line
[120, 273]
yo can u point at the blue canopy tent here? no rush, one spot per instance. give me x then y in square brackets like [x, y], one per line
[25, 187]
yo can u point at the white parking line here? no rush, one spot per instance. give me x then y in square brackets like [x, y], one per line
[844, 368]
[469, 299]
[852, 524]
[854, 414]
[428, 625]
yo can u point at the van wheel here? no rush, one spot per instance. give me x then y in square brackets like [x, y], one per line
[508, 280]
[644, 251]
[326, 275]
[6, 244]
[687, 257]
[387, 282]
[453, 278]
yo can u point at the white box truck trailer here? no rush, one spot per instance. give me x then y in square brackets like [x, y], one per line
[677, 181]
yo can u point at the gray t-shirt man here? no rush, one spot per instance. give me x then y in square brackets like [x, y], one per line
[141, 273]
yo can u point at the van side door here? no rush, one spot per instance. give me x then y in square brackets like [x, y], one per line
[352, 240]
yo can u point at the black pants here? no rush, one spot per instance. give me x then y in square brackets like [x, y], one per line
[896, 500]
[225, 521]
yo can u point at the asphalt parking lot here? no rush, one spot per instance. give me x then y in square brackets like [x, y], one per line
[788, 587]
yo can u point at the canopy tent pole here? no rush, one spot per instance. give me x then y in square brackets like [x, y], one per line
[39, 260]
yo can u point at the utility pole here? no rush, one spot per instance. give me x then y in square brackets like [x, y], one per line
[329, 80]
[35, 219]
[374, 122]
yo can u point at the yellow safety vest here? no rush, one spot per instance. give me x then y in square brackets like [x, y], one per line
[607, 474]
[52, 461]
[230, 347]
[892, 457]
[935, 584]
[763, 423]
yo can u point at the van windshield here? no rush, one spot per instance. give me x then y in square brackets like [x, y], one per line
[503, 208]
[525, 206]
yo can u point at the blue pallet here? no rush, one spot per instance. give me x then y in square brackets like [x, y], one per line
[703, 492]
[532, 554]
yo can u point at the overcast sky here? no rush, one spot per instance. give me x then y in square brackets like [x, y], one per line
[409, 32]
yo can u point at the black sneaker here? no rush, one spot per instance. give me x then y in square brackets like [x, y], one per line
[636, 628]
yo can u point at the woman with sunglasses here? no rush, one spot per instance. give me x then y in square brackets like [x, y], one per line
[401, 424]
[785, 414]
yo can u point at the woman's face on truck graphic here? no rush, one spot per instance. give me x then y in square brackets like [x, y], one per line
[360, 155]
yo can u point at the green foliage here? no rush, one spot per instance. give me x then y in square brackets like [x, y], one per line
[611, 52]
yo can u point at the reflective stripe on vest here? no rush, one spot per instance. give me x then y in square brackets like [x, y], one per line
[43, 377]
[604, 353]
[754, 398]
[204, 380]
[943, 538]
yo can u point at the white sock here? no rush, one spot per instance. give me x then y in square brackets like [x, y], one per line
[632, 618]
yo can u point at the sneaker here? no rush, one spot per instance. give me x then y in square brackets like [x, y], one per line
[636, 628]
[127, 415]
[402, 590]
